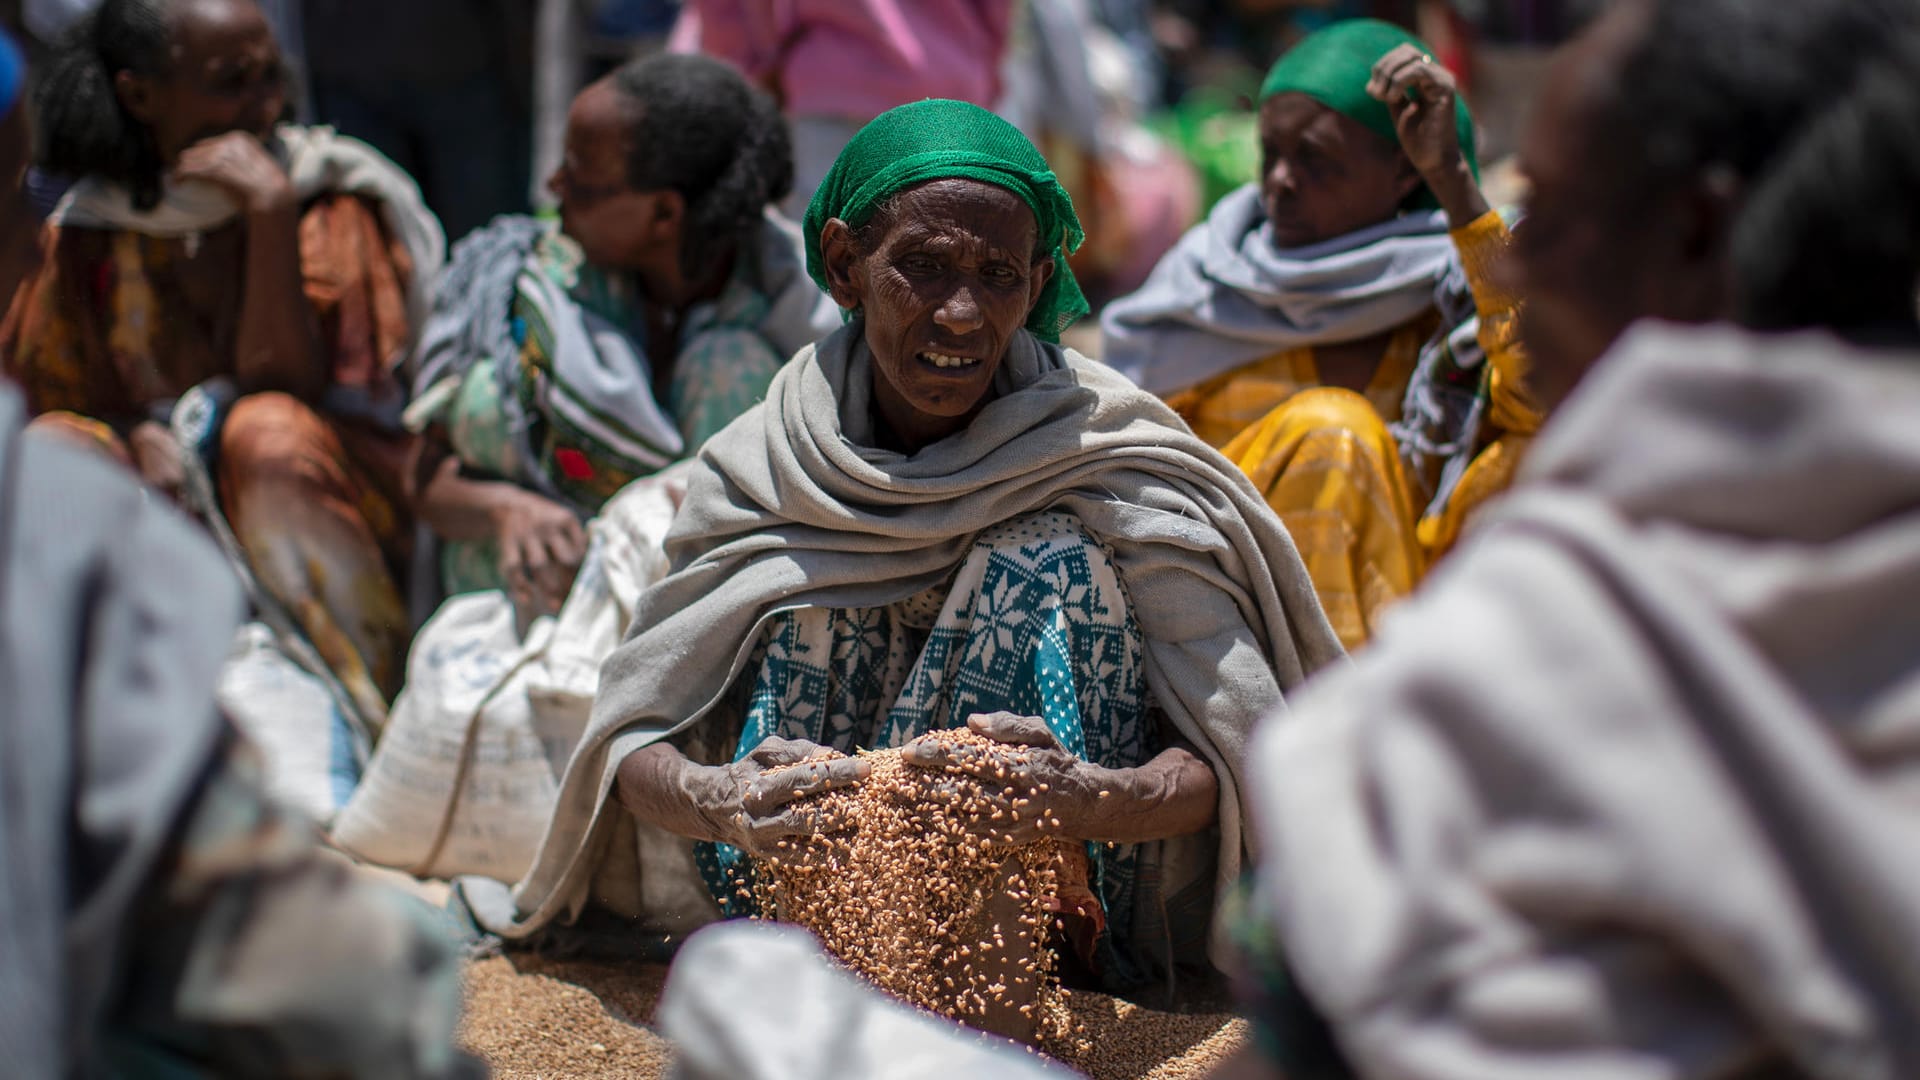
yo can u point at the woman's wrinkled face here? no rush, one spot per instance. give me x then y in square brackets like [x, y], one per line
[1324, 175]
[224, 74]
[616, 226]
[943, 289]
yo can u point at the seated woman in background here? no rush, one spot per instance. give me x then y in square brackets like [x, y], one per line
[206, 241]
[565, 360]
[1327, 330]
[937, 516]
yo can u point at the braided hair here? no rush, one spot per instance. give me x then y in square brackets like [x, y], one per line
[1815, 109]
[700, 129]
[84, 130]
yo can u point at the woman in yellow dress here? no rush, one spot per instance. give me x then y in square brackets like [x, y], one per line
[1335, 327]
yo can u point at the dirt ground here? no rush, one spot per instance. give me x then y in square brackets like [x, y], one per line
[536, 1018]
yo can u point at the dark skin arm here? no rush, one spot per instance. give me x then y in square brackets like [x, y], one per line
[1175, 794]
[749, 804]
[277, 346]
[541, 542]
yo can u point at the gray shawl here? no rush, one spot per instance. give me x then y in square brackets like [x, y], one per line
[1227, 296]
[1632, 789]
[793, 506]
[108, 725]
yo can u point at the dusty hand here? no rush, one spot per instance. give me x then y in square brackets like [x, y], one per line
[1033, 787]
[1420, 94]
[239, 163]
[157, 454]
[541, 546]
[761, 800]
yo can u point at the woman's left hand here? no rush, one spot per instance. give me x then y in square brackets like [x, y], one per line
[1421, 95]
[241, 164]
[1032, 787]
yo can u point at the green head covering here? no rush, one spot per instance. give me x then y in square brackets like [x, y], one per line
[1332, 66]
[945, 140]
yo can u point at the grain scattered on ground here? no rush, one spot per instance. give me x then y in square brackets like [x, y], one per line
[533, 1018]
[1124, 1041]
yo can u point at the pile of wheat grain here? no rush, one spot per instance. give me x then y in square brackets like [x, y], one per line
[902, 889]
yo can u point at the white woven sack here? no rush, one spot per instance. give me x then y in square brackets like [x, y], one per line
[460, 783]
[288, 714]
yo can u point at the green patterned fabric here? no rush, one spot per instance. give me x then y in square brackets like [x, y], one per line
[944, 140]
[1332, 67]
[1036, 622]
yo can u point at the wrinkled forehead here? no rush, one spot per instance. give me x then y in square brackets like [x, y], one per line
[959, 208]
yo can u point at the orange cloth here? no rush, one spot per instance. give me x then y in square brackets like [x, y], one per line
[116, 324]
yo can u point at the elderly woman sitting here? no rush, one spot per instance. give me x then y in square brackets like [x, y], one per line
[940, 515]
[563, 362]
[1337, 319]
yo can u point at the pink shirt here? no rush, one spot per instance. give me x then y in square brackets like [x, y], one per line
[855, 59]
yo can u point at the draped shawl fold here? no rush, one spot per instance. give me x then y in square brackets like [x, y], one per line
[1629, 789]
[108, 727]
[792, 506]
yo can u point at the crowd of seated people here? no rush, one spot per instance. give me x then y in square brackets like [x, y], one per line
[1476, 633]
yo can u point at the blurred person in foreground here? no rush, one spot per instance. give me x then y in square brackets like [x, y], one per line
[1333, 327]
[160, 916]
[1628, 789]
[208, 244]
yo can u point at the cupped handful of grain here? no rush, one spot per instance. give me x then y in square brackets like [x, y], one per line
[914, 887]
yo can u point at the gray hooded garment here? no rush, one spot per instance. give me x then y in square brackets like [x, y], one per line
[1631, 789]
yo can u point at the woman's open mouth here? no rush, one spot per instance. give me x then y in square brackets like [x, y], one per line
[947, 362]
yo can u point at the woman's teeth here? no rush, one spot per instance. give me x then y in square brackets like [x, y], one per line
[943, 360]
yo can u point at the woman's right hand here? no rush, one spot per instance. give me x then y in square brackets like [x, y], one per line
[761, 800]
[541, 547]
[243, 166]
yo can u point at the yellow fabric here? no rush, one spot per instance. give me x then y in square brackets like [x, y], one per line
[1221, 408]
[1487, 476]
[1329, 467]
[1482, 245]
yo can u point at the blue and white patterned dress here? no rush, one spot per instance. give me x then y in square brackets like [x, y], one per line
[1036, 622]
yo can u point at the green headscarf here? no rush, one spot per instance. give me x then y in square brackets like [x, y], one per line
[944, 140]
[1332, 66]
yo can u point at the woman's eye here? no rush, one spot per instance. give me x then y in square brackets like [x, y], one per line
[1002, 275]
[919, 264]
